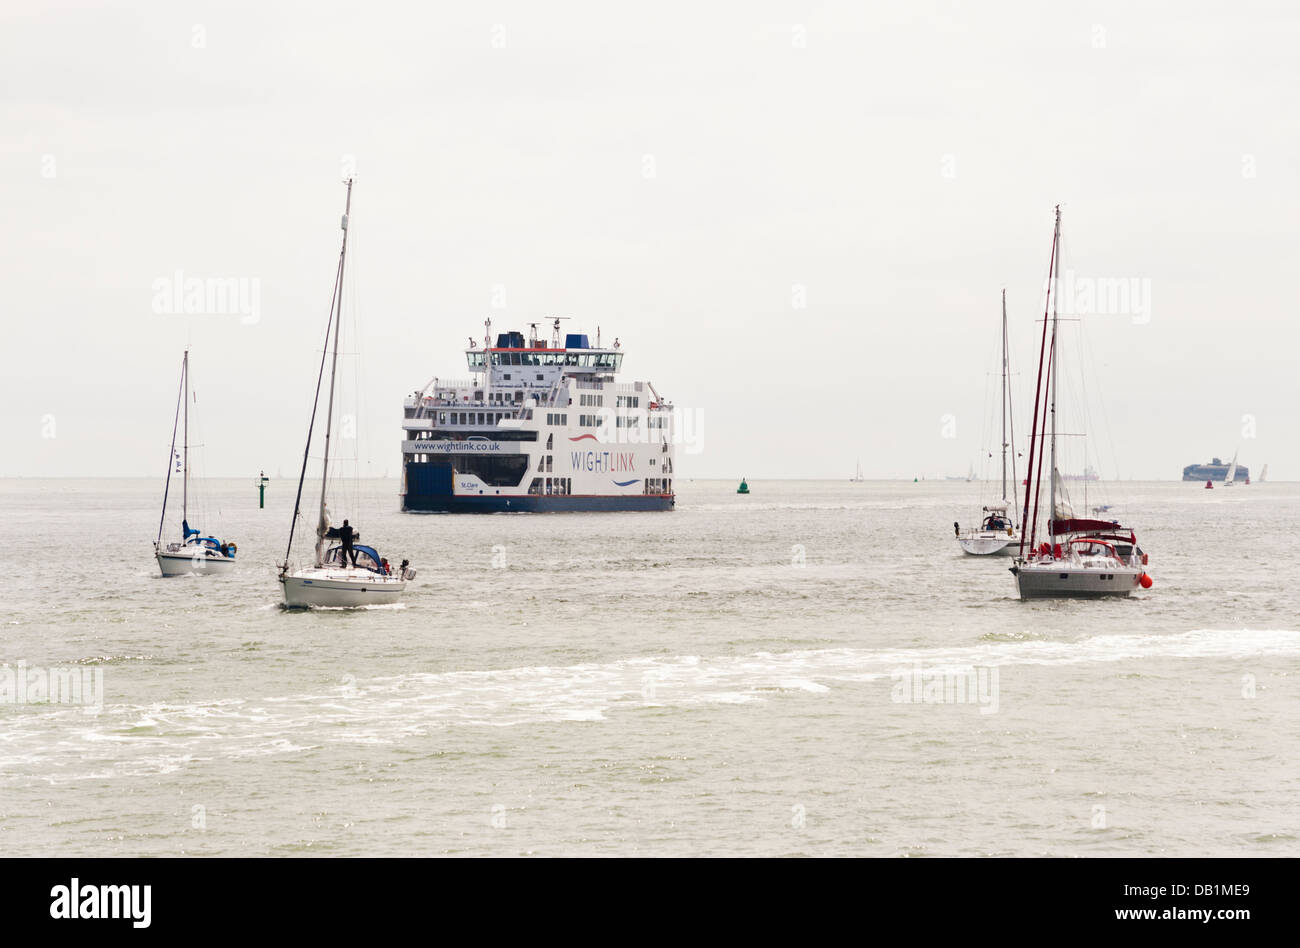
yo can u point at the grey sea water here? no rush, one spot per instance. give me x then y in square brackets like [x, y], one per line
[724, 679]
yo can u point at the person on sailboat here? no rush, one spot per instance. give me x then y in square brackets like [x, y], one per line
[345, 535]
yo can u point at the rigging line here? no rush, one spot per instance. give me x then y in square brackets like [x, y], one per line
[1038, 479]
[321, 526]
[1042, 347]
[198, 451]
[1010, 413]
[987, 423]
[171, 462]
[1105, 415]
[297, 502]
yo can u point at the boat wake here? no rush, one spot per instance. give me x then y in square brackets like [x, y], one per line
[125, 740]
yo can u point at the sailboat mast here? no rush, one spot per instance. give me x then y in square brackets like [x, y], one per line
[1052, 372]
[185, 489]
[323, 524]
[171, 455]
[1004, 396]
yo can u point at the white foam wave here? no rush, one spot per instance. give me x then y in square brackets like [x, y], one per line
[123, 740]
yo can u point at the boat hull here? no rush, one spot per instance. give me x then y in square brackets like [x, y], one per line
[989, 544]
[339, 589]
[430, 488]
[1068, 581]
[185, 564]
[534, 503]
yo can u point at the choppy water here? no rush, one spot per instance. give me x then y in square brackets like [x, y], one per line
[717, 680]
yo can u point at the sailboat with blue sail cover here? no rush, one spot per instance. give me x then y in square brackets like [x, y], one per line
[194, 553]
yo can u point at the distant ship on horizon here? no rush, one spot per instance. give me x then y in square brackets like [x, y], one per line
[1216, 470]
[1089, 474]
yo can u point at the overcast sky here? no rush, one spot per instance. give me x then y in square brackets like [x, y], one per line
[796, 217]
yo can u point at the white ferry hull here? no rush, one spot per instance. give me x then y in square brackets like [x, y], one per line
[339, 589]
[1068, 581]
[186, 564]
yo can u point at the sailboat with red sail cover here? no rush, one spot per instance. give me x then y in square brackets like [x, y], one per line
[1075, 557]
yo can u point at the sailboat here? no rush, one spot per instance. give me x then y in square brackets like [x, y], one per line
[1232, 471]
[1077, 559]
[194, 553]
[1262, 474]
[997, 532]
[338, 577]
[857, 476]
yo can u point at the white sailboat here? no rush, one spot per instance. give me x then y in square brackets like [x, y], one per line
[195, 553]
[997, 531]
[1074, 561]
[857, 476]
[1232, 471]
[338, 577]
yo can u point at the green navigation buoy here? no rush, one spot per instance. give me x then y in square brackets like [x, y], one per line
[743, 488]
[261, 490]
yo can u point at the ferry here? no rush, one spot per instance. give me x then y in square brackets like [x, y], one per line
[1216, 470]
[541, 426]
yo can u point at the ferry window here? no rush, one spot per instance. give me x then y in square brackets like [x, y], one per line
[539, 376]
[506, 376]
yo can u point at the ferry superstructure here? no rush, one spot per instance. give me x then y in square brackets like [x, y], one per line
[538, 428]
[1216, 470]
